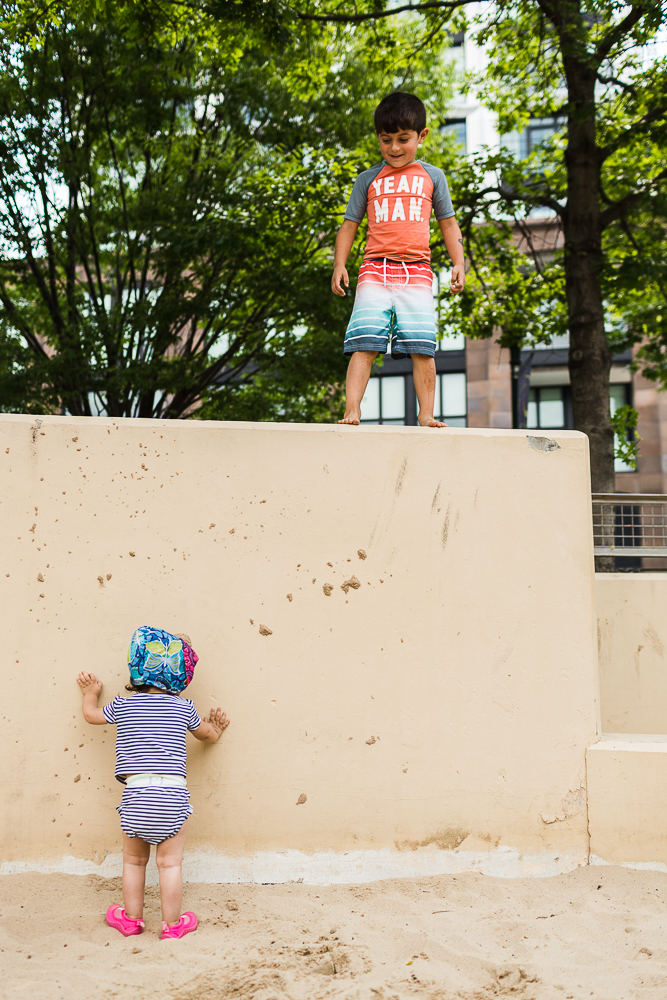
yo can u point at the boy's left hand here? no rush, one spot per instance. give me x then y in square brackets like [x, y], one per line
[339, 278]
[89, 683]
[458, 279]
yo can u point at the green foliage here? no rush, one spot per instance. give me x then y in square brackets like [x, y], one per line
[513, 283]
[526, 78]
[626, 439]
[534, 50]
[173, 175]
[171, 186]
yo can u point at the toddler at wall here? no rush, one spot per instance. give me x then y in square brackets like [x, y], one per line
[394, 296]
[150, 761]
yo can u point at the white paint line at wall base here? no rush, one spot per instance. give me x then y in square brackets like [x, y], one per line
[324, 868]
[645, 866]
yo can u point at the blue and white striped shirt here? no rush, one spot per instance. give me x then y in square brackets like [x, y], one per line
[150, 735]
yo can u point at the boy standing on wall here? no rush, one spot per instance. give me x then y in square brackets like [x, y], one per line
[395, 288]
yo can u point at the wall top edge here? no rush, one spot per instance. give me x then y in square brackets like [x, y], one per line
[269, 426]
[630, 743]
[659, 576]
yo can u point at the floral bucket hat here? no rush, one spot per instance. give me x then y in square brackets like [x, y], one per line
[161, 660]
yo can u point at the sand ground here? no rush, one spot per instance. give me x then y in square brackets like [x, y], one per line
[596, 932]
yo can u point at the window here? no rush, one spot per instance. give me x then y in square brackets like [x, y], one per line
[539, 130]
[384, 400]
[450, 399]
[449, 338]
[456, 127]
[455, 56]
[546, 407]
[619, 395]
[557, 342]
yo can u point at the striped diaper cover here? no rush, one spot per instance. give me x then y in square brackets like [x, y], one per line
[393, 302]
[154, 807]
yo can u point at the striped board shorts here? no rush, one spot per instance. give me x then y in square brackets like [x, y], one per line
[153, 811]
[394, 302]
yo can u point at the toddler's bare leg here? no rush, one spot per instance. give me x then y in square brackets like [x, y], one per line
[358, 374]
[136, 853]
[423, 372]
[169, 860]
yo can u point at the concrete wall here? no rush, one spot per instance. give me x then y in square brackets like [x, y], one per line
[632, 637]
[444, 706]
[626, 801]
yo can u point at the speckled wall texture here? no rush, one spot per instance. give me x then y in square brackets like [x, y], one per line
[398, 621]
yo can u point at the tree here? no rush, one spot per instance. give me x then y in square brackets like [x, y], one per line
[170, 183]
[603, 177]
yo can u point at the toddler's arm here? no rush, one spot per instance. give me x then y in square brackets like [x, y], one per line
[451, 234]
[212, 728]
[344, 242]
[91, 688]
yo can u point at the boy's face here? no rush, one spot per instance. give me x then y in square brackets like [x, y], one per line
[400, 148]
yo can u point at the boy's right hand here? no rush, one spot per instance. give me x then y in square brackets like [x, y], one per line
[338, 279]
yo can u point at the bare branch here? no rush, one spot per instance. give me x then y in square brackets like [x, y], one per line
[18, 321]
[616, 33]
[535, 201]
[618, 210]
[377, 15]
[613, 81]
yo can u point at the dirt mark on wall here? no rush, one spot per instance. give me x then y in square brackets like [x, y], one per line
[446, 839]
[654, 640]
[400, 477]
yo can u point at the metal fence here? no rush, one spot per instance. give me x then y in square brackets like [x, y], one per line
[630, 524]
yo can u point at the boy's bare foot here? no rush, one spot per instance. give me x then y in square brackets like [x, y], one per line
[350, 418]
[431, 422]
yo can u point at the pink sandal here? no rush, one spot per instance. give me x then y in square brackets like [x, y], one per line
[118, 918]
[186, 923]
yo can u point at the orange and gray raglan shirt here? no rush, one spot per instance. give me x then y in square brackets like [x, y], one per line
[399, 201]
[394, 296]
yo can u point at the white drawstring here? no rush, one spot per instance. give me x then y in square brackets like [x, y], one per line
[384, 272]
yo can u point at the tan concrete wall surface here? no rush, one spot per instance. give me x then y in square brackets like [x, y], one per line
[447, 702]
[632, 637]
[626, 801]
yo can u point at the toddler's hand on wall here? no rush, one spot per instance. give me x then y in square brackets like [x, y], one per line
[218, 719]
[89, 683]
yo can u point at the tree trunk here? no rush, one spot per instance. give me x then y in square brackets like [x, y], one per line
[590, 359]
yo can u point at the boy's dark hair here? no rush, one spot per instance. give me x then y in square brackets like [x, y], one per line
[400, 112]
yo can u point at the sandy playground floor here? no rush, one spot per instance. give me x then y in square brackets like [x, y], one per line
[597, 932]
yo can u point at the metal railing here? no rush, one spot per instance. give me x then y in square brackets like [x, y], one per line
[630, 524]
